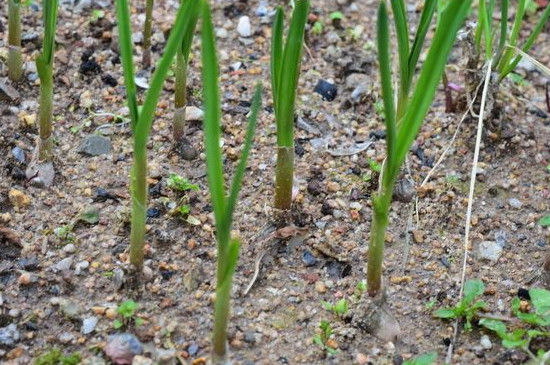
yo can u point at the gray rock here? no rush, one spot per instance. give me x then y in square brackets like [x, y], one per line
[485, 342]
[71, 309]
[40, 174]
[64, 264]
[66, 337]
[9, 336]
[88, 324]
[8, 93]
[243, 27]
[515, 203]
[222, 33]
[95, 145]
[192, 113]
[489, 250]
[70, 248]
[122, 348]
[18, 154]
[501, 239]
[166, 356]
[81, 266]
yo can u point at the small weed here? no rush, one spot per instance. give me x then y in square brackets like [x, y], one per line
[426, 359]
[127, 311]
[340, 308]
[96, 15]
[360, 288]
[178, 183]
[56, 357]
[336, 15]
[468, 305]
[65, 234]
[317, 28]
[322, 338]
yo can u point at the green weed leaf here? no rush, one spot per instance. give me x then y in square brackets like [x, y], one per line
[426, 359]
[446, 313]
[545, 221]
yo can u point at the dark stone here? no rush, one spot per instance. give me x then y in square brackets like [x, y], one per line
[376, 135]
[166, 274]
[109, 80]
[193, 349]
[95, 145]
[524, 294]
[308, 259]
[153, 213]
[314, 188]
[89, 65]
[326, 209]
[29, 263]
[299, 149]
[327, 90]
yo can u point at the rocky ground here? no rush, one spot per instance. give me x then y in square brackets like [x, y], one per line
[64, 247]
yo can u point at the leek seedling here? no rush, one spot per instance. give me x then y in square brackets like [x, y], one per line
[401, 132]
[141, 121]
[285, 70]
[44, 66]
[147, 31]
[15, 59]
[503, 55]
[180, 95]
[223, 206]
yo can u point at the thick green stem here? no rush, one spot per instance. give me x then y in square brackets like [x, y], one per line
[180, 98]
[139, 205]
[147, 33]
[15, 59]
[284, 176]
[45, 144]
[221, 318]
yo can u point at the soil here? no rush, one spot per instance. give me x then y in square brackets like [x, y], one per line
[323, 259]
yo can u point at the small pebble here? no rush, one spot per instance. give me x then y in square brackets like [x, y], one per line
[320, 287]
[327, 90]
[243, 27]
[486, 342]
[88, 324]
[308, 259]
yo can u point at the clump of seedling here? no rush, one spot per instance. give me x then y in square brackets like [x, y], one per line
[44, 66]
[65, 233]
[537, 322]
[285, 71]
[15, 59]
[127, 312]
[468, 307]
[223, 202]
[182, 186]
[403, 122]
[340, 308]
[323, 338]
[142, 118]
[56, 357]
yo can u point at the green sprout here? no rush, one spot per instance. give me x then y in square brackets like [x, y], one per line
[403, 124]
[142, 120]
[127, 312]
[468, 307]
[336, 15]
[147, 32]
[536, 321]
[285, 71]
[44, 66]
[317, 28]
[425, 359]
[223, 204]
[15, 59]
[179, 183]
[322, 338]
[340, 308]
[56, 357]
[180, 95]
[96, 15]
[503, 52]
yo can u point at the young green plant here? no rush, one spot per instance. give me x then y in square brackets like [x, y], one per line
[468, 307]
[180, 95]
[503, 54]
[44, 66]
[403, 125]
[285, 71]
[142, 120]
[147, 32]
[222, 204]
[15, 59]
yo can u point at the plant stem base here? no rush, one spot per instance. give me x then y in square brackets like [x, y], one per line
[373, 317]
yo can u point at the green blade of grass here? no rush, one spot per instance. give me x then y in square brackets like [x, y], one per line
[424, 92]
[212, 112]
[530, 41]
[286, 93]
[384, 62]
[518, 20]
[402, 31]
[239, 172]
[50, 20]
[276, 56]
[126, 54]
[486, 27]
[503, 30]
[420, 37]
